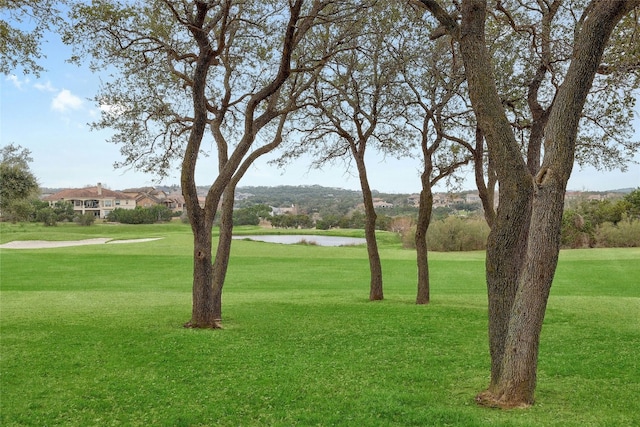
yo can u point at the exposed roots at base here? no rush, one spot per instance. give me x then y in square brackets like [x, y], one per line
[490, 400]
[217, 324]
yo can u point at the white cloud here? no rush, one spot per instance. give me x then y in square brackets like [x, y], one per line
[46, 87]
[65, 101]
[16, 81]
[112, 110]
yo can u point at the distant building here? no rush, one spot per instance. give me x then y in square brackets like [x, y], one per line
[293, 210]
[379, 203]
[146, 196]
[472, 198]
[414, 200]
[95, 200]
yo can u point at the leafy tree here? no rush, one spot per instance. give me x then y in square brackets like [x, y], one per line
[245, 217]
[354, 107]
[524, 242]
[161, 213]
[251, 215]
[22, 28]
[291, 221]
[63, 211]
[182, 69]
[19, 210]
[328, 222]
[437, 110]
[18, 182]
[575, 231]
[632, 203]
[625, 234]
[47, 216]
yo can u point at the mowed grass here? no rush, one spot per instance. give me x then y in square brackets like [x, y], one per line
[92, 336]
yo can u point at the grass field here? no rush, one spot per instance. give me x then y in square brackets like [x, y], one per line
[92, 336]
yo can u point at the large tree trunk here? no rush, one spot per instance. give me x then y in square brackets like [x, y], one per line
[202, 311]
[516, 383]
[523, 245]
[201, 220]
[422, 226]
[507, 240]
[535, 212]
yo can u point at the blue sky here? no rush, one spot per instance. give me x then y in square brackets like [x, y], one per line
[49, 115]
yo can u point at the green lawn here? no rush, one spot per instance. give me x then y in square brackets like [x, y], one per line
[92, 336]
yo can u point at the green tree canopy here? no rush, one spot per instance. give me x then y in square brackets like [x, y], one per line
[17, 182]
[23, 25]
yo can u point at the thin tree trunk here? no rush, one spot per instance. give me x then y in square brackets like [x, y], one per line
[486, 191]
[375, 266]
[223, 251]
[422, 226]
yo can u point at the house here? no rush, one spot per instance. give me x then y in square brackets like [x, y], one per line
[146, 196]
[414, 200]
[293, 210]
[379, 203]
[472, 198]
[175, 202]
[95, 200]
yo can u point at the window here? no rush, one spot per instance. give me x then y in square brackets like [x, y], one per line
[108, 203]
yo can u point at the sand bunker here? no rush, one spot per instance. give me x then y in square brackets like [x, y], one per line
[44, 244]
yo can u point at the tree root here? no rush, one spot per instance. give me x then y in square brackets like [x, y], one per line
[216, 324]
[490, 400]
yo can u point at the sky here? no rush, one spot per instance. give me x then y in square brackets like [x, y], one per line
[50, 116]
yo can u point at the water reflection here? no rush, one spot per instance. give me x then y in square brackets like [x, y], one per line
[292, 239]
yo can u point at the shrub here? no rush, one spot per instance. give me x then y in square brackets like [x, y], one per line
[47, 216]
[140, 215]
[18, 210]
[458, 234]
[245, 216]
[86, 219]
[576, 232]
[291, 221]
[408, 237]
[624, 234]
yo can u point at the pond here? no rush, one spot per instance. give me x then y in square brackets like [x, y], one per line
[292, 239]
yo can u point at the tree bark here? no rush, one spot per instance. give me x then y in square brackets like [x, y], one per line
[207, 282]
[223, 251]
[524, 242]
[375, 266]
[422, 226]
[507, 240]
[201, 220]
[203, 308]
[517, 382]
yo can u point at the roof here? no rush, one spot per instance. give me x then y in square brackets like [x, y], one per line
[146, 190]
[87, 193]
